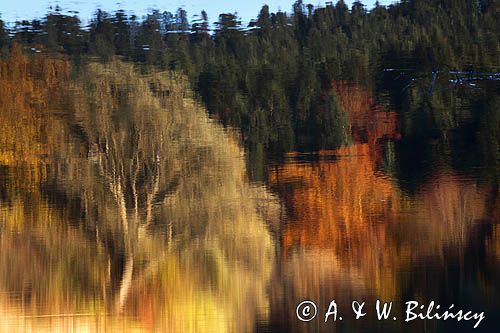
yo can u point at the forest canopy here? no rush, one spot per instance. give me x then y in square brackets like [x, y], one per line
[272, 78]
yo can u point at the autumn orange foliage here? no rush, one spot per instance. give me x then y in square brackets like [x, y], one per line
[342, 205]
[369, 120]
[26, 84]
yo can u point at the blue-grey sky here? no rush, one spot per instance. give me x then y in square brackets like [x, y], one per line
[11, 10]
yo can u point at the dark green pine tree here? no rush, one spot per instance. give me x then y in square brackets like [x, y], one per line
[4, 40]
[102, 36]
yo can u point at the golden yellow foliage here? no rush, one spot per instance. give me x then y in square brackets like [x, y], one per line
[26, 86]
[140, 207]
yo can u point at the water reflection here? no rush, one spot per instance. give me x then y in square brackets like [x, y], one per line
[353, 233]
[123, 206]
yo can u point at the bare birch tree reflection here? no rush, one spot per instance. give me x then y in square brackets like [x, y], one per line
[164, 163]
[147, 196]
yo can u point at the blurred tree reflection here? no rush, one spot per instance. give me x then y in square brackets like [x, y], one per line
[120, 196]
